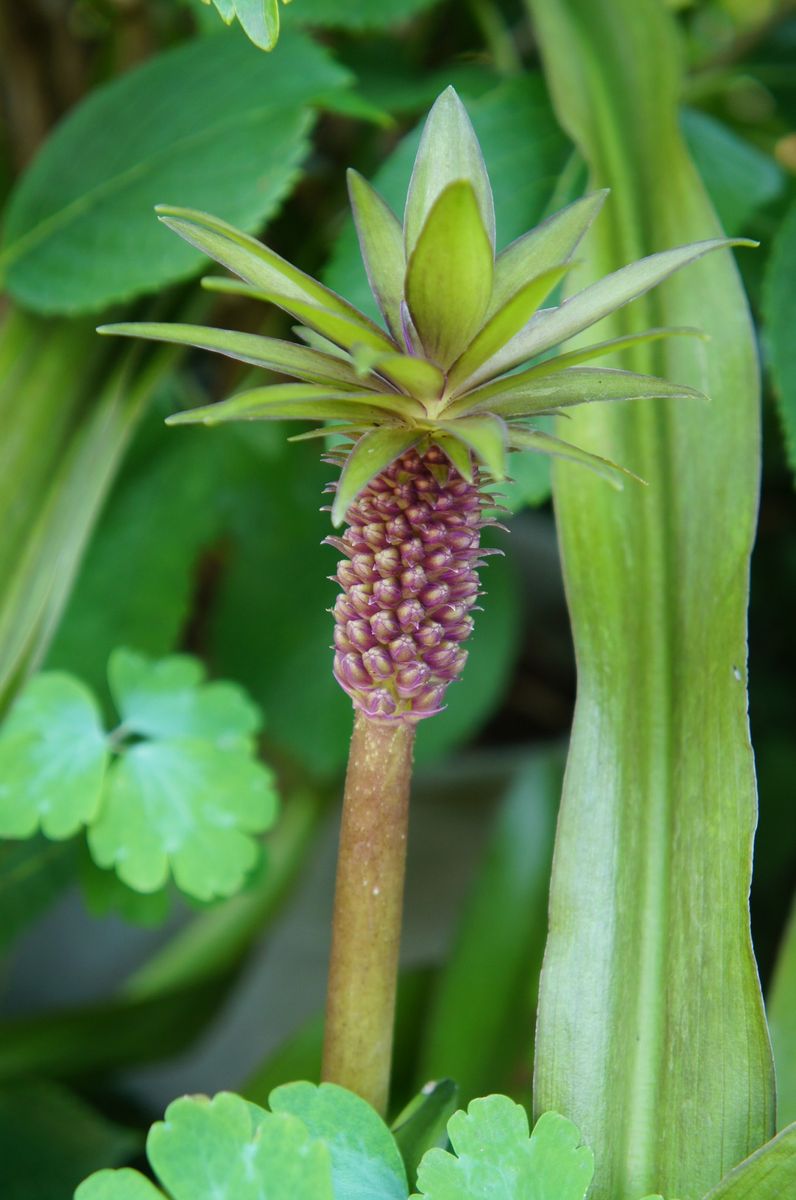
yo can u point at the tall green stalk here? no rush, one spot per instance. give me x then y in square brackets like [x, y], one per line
[368, 909]
[651, 1032]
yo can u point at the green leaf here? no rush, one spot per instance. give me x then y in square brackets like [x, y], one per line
[458, 452]
[779, 308]
[224, 1149]
[495, 1159]
[486, 436]
[183, 806]
[768, 1174]
[507, 321]
[50, 1139]
[544, 443]
[53, 756]
[782, 1023]
[416, 376]
[530, 392]
[449, 277]
[366, 1163]
[260, 21]
[740, 179]
[269, 353]
[257, 265]
[381, 241]
[170, 699]
[494, 961]
[422, 1124]
[79, 234]
[658, 811]
[599, 300]
[552, 242]
[448, 153]
[369, 457]
[347, 331]
[524, 151]
[583, 354]
[358, 14]
[294, 401]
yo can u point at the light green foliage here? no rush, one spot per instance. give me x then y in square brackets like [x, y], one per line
[768, 1174]
[316, 1143]
[651, 1034]
[366, 1162]
[223, 1149]
[495, 1159]
[79, 233]
[740, 179]
[53, 758]
[184, 799]
[779, 303]
[50, 1139]
[422, 1125]
[371, 455]
[782, 1023]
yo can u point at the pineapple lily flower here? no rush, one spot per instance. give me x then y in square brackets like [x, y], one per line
[428, 406]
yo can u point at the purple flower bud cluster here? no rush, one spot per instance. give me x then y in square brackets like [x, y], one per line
[409, 580]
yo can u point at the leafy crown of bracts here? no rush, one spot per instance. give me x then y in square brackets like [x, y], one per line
[428, 405]
[458, 321]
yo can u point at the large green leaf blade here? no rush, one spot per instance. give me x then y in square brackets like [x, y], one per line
[538, 393]
[79, 233]
[651, 1032]
[449, 276]
[292, 401]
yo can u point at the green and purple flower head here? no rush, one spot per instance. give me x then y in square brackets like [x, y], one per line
[430, 404]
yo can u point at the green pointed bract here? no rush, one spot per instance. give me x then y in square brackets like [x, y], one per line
[544, 443]
[552, 242]
[448, 153]
[449, 276]
[528, 394]
[597, 301]
[370, 456]
[457, 322]
[290, 401]
[381, 241]
[507, 321]
[270, 353]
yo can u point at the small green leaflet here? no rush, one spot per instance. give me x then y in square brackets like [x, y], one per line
[259, 19]
[316, 1143]
[495, 1159]
[53, 758]
[182, 800]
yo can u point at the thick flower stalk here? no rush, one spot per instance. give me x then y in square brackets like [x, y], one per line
[426, 409]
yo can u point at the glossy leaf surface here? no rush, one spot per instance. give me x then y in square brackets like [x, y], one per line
[768, 1174]
[782, 1022]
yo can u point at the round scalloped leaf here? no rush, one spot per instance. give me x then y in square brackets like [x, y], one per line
[366, 1162]
[186, 807]
[223, 1149]
[495, 1159]
[53, 755]
[168, 698]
